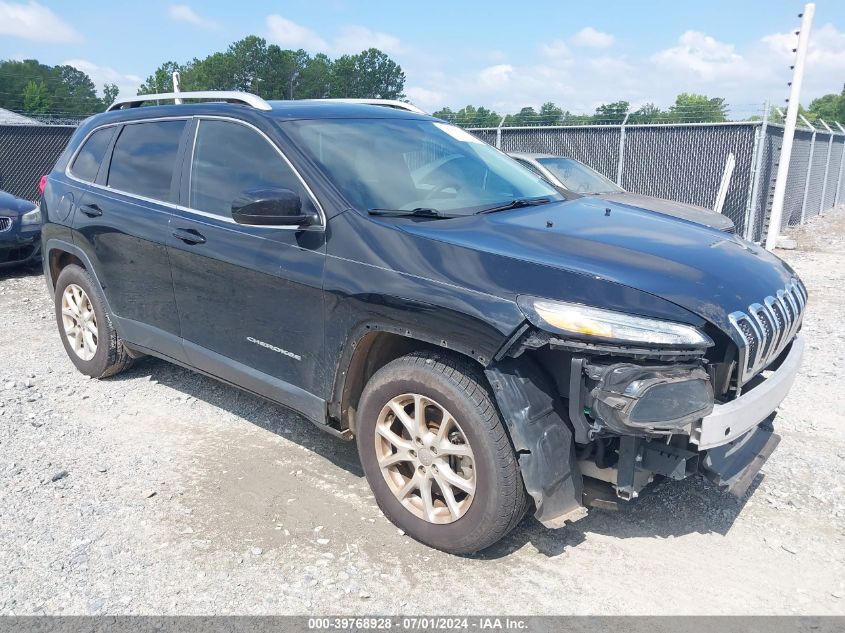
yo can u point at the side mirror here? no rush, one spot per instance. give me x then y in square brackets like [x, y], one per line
[270, 207]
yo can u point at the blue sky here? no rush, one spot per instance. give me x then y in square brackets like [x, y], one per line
[576, 54]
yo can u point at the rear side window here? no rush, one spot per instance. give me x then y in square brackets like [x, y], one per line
[144, 157]
[87, 162]
[230, 159]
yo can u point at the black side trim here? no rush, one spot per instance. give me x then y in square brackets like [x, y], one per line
[245, 377]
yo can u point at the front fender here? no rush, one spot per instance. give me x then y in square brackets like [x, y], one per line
[542, 438]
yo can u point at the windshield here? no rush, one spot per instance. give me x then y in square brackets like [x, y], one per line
[406, 164]
[577, 177]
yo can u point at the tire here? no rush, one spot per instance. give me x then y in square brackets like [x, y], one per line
[445, 387]
[108, 356]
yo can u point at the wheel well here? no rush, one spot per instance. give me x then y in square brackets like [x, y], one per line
[59, 259]
[372, 352]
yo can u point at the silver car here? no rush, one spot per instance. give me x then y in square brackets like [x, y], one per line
[573, 178]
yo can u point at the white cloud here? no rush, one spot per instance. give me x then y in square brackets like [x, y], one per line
[426, 99]
[354, 39]
[592, 38]
[184, 13]
[556, 49]
[495, 77]
[825, 52]
[292, 35]
[351, 38]
[581, 71]
[127, 83]
[704, 57]
[33, 21]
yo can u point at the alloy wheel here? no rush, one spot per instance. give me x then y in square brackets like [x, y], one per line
[425, 458]
[79, 321]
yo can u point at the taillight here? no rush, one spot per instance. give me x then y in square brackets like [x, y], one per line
[41, 184]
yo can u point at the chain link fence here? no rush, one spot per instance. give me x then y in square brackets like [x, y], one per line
[27, 152]
[685, 162]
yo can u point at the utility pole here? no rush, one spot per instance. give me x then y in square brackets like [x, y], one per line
[789, 126]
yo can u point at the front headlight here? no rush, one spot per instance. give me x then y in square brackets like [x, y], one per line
[584, 322]
[31, 217]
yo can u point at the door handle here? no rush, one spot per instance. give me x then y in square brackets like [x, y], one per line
[189, 236]
[91, 210]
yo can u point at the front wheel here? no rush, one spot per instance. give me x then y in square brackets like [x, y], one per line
[436, 455]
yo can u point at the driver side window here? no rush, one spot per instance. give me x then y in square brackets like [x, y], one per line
[230, 159]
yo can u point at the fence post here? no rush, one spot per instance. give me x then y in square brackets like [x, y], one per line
[757, 168]
[177, 86]
[826, 165]
[841, 165]
[621, 149]
[499, 132]
[809, 169]
[789, 127]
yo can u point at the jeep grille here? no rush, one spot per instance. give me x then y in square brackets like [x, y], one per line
[767, 328]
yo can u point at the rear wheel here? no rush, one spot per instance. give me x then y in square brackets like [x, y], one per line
[86, 331]
[436, 454]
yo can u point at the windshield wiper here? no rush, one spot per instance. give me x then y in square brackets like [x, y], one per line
[419, 212]
[518, 203]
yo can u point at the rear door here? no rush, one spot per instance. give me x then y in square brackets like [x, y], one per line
[122, 222]
[249, 297]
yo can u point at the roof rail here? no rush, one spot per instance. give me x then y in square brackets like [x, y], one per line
[229, 96]
[390, 103]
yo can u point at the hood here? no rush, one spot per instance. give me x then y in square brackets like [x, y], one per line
[682, 210]
[13, 207]
[707, 272]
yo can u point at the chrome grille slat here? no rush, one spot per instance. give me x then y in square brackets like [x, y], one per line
[5, 224]
[767, 328]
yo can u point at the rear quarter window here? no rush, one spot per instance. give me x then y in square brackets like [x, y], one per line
[87, 162]
[144, 157]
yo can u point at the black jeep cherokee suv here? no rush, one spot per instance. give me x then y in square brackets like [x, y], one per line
[491, 347]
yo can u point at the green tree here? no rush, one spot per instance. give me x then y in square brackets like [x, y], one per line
[110, 92]
[250, 64]
[526, 116]
[162, 79]
[75, 92]
[697, 108]
[648, 113]
[35, 98]
[315, 78]
[66, 89]
[344, 77]
[470, 116]
[830, 107]
[377, 76]
[550, 114]
[284, 73]
[611, 113]
[444, 113]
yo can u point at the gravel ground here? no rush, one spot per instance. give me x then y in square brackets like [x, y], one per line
[161, 491]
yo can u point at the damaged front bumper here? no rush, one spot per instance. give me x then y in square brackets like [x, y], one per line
[559, 449]
[728, 445]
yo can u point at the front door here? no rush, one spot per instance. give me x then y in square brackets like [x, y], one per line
[249, 297]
